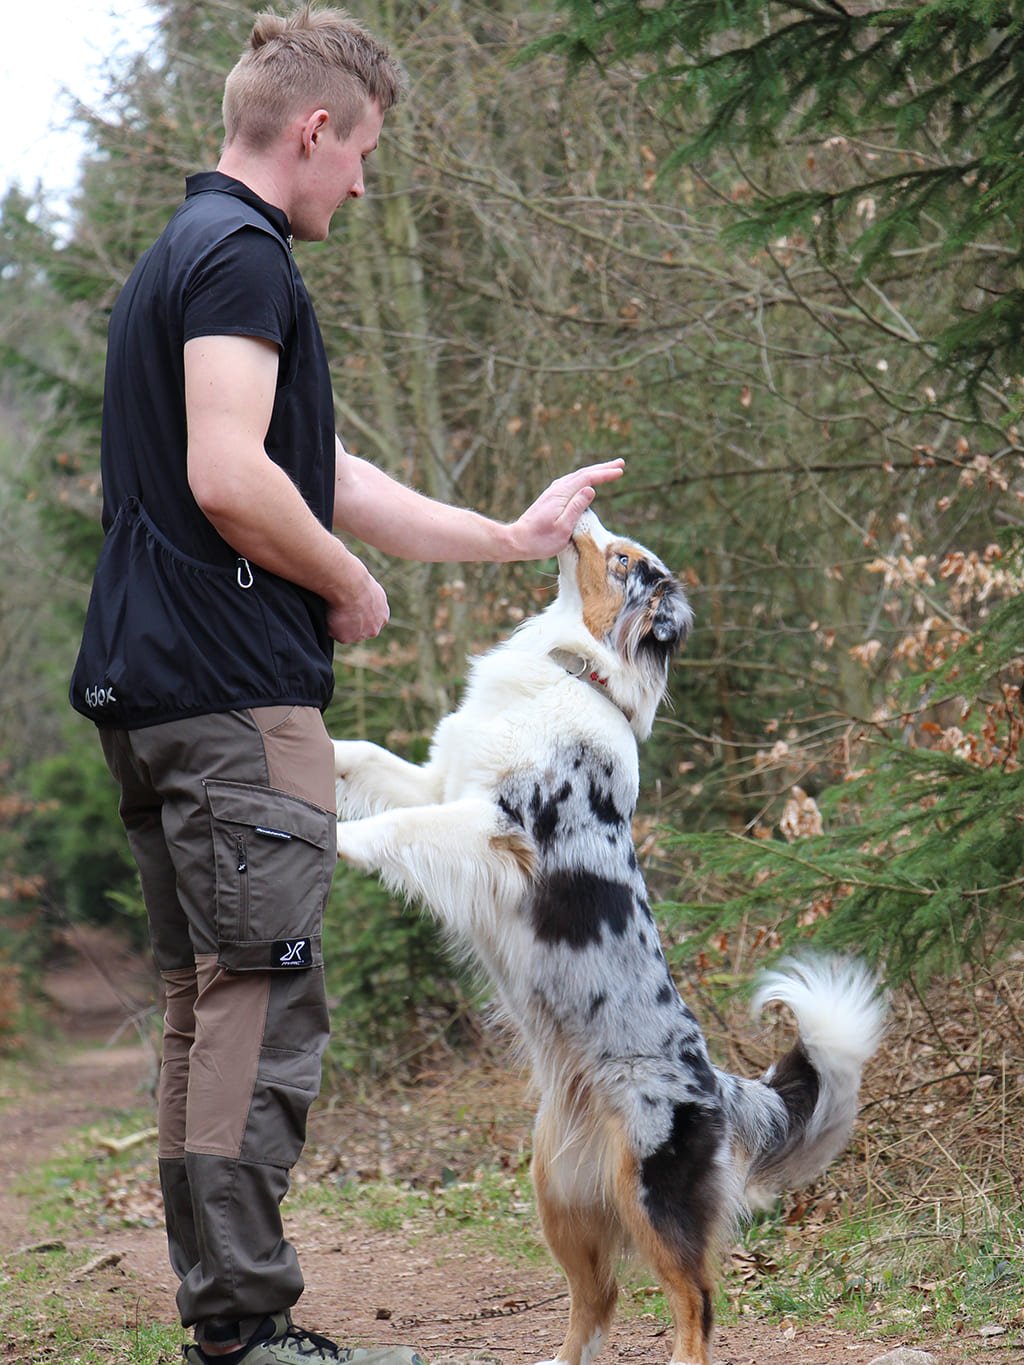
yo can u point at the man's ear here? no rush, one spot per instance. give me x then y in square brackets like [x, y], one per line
[313, 129]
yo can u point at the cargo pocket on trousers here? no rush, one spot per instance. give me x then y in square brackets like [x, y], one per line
[274, 855]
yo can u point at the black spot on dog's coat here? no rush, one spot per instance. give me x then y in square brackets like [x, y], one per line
[544, 812]
[666, 994]
[574, 908]
[647, 573]
[696, 1062]
[796, 1080]
[603, 807]
[680, 1182]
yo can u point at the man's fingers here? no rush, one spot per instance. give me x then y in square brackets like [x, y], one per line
[577, 505]
[362, 619]
[581, 480]
[604, 472]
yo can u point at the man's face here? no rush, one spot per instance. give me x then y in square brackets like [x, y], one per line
[333, 173]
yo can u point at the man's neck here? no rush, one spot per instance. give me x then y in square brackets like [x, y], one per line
[259, 174]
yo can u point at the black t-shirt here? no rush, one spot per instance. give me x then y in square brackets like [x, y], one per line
[222, 267]
[177, 624]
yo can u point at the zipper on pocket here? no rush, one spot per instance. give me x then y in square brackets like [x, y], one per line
[242, 866]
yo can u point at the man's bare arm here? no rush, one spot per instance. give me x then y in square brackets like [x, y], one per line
[399, 521]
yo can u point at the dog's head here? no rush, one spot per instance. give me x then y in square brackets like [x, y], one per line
[631, 604]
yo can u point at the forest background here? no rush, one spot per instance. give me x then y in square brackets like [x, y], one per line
[769, 253]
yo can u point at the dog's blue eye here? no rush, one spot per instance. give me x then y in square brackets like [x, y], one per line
[624, 561]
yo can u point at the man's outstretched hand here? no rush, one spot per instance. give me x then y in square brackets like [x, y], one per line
[546, 526]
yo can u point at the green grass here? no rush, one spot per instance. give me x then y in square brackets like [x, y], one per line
[86, 1186]
[15, 1081]
[45, 1314]
[492, 1212]
[12, 1084]
[874, 1275]
[886, 1274]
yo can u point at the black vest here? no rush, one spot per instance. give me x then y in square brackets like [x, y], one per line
[177, 624]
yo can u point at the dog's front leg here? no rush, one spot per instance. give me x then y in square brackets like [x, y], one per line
[371, 779]
[459, 858]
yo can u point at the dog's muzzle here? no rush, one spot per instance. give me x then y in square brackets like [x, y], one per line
[672, 616]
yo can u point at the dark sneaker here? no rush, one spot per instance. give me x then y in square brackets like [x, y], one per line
[279, 1343]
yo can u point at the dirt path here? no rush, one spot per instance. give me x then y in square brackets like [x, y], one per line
[370, 1287]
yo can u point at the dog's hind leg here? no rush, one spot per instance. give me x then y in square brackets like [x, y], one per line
[687, 1289]
[584, 1244]
[675, 1206]
[683, 1268]
[460, 858]
[580, 1224]
[372, 779]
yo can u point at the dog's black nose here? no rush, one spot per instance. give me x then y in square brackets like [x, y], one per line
[672, 616]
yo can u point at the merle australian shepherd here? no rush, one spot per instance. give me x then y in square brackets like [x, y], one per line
[516, 835]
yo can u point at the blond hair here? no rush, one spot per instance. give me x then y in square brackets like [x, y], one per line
[306, 60]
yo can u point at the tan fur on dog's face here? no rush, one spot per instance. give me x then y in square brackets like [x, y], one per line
[601, 578]
[613, 573]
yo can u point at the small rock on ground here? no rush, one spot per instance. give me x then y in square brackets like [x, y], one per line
[905, 1355]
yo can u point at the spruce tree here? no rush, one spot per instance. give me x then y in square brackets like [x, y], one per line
[921, 101]
[886, 138]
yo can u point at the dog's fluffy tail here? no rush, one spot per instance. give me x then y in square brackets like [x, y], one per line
[801, 1113]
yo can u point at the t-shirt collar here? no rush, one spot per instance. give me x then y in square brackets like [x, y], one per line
[204, 181]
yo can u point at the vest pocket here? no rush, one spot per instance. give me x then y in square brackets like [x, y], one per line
[274, 856]
[167, 635]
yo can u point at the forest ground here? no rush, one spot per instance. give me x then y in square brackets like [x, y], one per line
[439, 1290]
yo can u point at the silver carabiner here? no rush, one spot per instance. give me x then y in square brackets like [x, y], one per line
[244, 574]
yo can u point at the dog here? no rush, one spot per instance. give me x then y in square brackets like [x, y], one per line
[516, 835]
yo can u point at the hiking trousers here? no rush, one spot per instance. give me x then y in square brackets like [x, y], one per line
[231, 820]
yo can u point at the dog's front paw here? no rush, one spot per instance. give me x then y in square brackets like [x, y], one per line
[353, 847]
[350, 754]
[352, 758]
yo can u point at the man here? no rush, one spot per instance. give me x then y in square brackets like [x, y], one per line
[206, 656]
